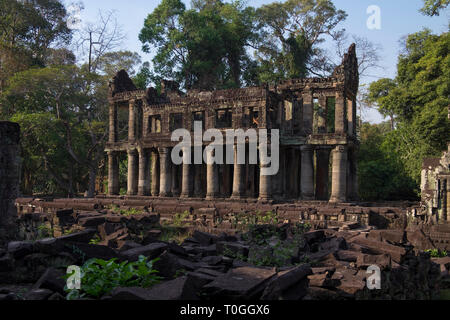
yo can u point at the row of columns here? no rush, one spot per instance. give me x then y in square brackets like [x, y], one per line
[163, 176]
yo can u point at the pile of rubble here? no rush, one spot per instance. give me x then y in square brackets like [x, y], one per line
[269, 262]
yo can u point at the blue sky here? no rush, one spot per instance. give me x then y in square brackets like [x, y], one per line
[398, 18]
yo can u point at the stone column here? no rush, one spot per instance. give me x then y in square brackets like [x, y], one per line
[133, 172]
[265, 186]
[351, 115]
[9, 178]
[339, 176]
[238, 177]
[113, 122]
[132, 121]
[186, 187]
[447, 199]
[155, 173]
[165, 173]
[307, 173]
[212, 178]
[340, 113]
[144, 182]
[322, 173]
[113, 174]
[308, 112]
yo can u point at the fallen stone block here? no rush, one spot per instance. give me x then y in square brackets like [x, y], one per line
[397, 253]
[151, 251]
[84, 236]
[244, 283]
[204, 238]
[313, 236]
[91, 222]
[19, 249]
[285, 280]
[395, 237]
[85, 252]
[233, 248]
[182, 288]
[52, 279]
[38, 294]
[278, 287]
[419, 240]
[347, 255]
[383, 261]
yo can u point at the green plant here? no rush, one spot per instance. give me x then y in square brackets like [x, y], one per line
[44, 231]
[177, 234]
[436, 253]
[179, 218]
[95, 240]
[100, 277]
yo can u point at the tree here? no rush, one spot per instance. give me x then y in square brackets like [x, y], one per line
[204, 47]
[68, 101]
[433, 7]
[381, 173]
[28, 30]
[95, 40]
[418, 99]
[290, 35]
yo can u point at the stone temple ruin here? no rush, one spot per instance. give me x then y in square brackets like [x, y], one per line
[436, 187]
[316, 118]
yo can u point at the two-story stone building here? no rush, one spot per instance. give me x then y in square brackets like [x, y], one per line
[316, 118]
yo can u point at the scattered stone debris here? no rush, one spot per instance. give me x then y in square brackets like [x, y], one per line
[269, 262]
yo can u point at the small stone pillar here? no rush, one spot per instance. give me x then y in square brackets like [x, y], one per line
[113, 173]
[340, 113]
[307, 173]
[132, 121]
[165, 173]
[144, 174]
[133, 172]
[155, 174]
[9, 178]
[212, 177]
[113, 122]
[339, 176]
[186, 183]
[308, 112]
[322, 173]
[238, 176]
[265, 186]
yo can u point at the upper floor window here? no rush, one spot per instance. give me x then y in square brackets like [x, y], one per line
[154, 124]
[176, 121]
[224, 118]
[198, 116]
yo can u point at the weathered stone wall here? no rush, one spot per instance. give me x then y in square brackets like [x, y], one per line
[9, 177]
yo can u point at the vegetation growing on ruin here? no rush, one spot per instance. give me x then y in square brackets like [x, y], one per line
[100, 277]
[436, 253]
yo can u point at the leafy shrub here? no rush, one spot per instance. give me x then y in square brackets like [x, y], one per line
[436, 253]
[100, 277]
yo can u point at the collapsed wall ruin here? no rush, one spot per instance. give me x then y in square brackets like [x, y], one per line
[9, 177]
[316, 118]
